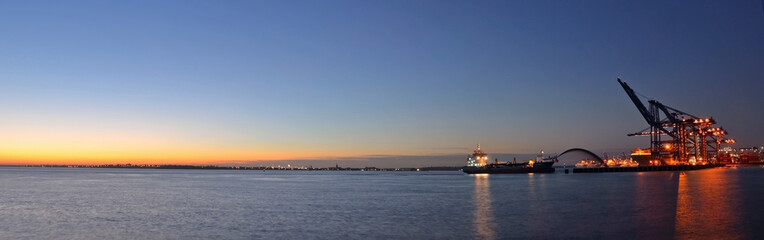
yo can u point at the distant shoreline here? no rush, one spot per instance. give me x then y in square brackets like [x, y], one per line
[213, 167]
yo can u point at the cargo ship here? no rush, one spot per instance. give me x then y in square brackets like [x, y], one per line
[476, 163]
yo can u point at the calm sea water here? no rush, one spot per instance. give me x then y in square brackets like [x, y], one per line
[60, 203]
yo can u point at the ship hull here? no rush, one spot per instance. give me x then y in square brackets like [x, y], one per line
[544, 167]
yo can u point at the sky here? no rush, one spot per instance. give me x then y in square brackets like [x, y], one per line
[242, 82]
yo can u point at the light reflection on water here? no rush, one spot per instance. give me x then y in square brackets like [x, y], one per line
[484, 222]
[706, 205]
[37, 203]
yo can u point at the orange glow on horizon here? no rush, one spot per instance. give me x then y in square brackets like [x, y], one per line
[77, 145]
[154, 152]
[139, 156]
[159, 154]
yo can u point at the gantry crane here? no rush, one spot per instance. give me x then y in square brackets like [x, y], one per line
[677, 137]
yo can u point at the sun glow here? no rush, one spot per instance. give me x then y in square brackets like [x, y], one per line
[108, 141]
[96, 155]
[65, 149]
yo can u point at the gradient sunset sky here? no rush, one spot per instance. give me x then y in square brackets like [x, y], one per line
[213, 82]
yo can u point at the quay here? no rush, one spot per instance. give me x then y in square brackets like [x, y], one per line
[646, 168]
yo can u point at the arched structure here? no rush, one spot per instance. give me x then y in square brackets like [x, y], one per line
[587, 152]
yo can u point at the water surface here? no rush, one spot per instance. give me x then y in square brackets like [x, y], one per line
[61, 203]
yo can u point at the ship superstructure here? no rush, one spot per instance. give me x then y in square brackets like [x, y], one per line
[478, 158]
[476, 163]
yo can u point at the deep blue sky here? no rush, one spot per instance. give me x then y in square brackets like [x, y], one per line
[250, 80]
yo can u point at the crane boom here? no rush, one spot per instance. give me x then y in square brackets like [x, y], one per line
[640, 106]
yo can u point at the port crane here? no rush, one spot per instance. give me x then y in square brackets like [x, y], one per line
[677, 137]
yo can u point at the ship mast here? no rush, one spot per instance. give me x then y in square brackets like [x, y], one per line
[478, 158]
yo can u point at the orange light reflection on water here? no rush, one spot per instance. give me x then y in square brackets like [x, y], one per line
[485, 226]
[703, 208]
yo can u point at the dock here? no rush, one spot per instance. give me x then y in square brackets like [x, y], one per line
[646, 168]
